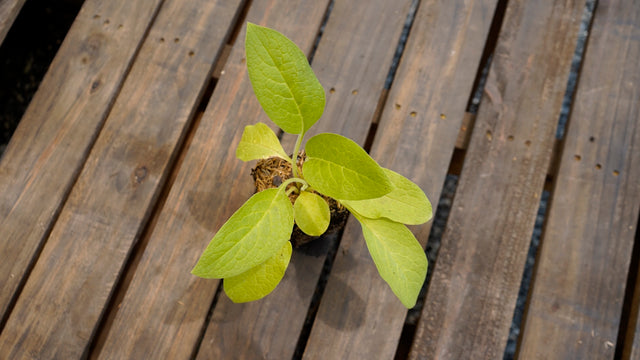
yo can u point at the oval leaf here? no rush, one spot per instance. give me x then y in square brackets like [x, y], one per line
[398, 256]
[406, 203]
[311, 213]
[340, 168]
[252, 235]
[259, 142]
[259, 281]
[282, 80]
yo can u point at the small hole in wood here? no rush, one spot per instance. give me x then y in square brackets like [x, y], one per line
[592, 139]
[176, 40]
[84, 60]
[598, 166]
[191, 53]
[443, 116]
[577, 157]
[354, 92]
[243, 60]
[161, 39]
[120, 26]
[413, 114]
[489, 135]
[332, 90]
[510, 137]
[527, 143]
[398, 106]
[616, 172]
[96, 16]
[107, 22]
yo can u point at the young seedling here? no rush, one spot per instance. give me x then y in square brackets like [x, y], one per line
[251, 251]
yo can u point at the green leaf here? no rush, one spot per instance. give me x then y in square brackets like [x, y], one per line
[259, 142]
[338, 167]
[282, 80]
[253, 234]
[259, 281]
[398, 256]
[406, 203]
[311, 213]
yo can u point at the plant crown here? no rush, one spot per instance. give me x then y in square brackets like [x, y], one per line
[251, 251]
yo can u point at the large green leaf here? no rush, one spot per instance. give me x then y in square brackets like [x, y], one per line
[259, 281]
[406, 203]
[398, 256]
[259, 142]
[253, 234]
[311, 213]
[340, 168]
[282, 80]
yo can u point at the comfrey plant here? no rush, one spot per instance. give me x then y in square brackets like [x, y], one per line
[251, 251]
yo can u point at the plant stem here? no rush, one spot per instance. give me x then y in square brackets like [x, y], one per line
[292, 180]
[296, 149]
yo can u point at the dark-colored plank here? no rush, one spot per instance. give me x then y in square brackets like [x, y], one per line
[359, 316]
[9, 10]
[352, 61]
[64, 297]
[472, 295]
[579, 285]
[170, 305]
[53, 139]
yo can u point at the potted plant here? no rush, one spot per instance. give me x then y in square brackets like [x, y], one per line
[251, 251]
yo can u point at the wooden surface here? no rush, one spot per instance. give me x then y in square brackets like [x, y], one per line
[9, 10]
[60, 127]
[472, 295]
[577, 299]
[123, 168]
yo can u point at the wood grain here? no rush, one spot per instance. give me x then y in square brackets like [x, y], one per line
[169, 305]
[52, 141]
[352, 62]
[64, 297]
[359, 317]
[9, 10]
[472, 295]
[579, 286]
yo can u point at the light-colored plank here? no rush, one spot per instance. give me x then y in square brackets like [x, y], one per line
[359, 316]
[352, 61]
[169, 304]
[58, 129]
[64, 297]
[472, 295]
[579, 285]
[9, 10]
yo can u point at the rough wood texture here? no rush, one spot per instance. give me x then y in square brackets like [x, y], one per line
[359, 317]
[352, 67]
[472, 295]
[9, 10]
[210, 185]
[64, 297]
[54, 137]
[579, 285]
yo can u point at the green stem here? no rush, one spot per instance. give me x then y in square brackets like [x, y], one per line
[292, 180]
[296, 149]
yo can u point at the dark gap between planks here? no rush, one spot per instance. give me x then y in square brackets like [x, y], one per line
[443, 209]
[631, 303]
[528, 276]
[135, 254]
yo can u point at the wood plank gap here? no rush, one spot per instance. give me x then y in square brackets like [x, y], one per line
[9, 10]
[237, 29]
[631, 305]
[321, 28]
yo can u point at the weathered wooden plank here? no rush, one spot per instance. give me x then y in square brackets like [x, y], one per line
[9, 10]
[52, 141]
[210, 185]
[352, 61]
[472, 295]
[579, 285]
[359, 317]
[64, 297]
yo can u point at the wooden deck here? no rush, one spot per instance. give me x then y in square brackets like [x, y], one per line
[124, 166]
